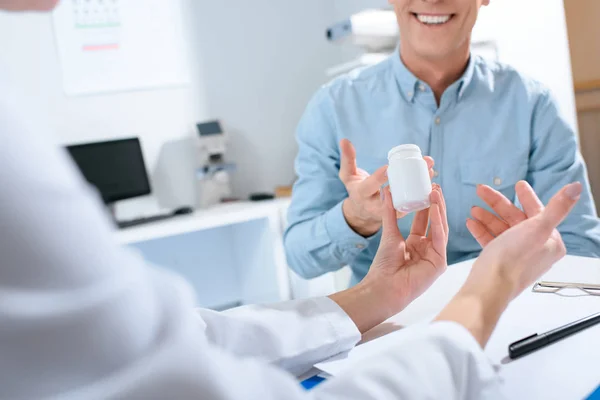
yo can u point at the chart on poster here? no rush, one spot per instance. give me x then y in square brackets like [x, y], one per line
[120, 45]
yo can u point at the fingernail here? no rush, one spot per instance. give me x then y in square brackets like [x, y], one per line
[574, 190]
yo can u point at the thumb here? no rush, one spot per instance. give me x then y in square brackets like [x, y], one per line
[389, 222]
[559, 206]
[348, 159]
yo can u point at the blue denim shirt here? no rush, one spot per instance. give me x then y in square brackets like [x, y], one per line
[493, 126]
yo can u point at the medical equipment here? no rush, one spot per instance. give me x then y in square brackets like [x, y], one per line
[214, 173]
[375, 31]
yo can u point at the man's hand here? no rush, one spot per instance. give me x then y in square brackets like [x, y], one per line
[363, 208]
[485, 226]
[519, 247]
[402, 269]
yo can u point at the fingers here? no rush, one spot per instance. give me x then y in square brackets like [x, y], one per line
[443, 210]
[528, 199]
[373, 183]
[501, 205]
[437, 198]
[438, 235]
[388, 216]
[348, 160]
[559, 207]
[490, 222]
[420, 222]
[430, 163]
[479, 232]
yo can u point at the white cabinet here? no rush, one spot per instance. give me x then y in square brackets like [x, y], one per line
[231, 254]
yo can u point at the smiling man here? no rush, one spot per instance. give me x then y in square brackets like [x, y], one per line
[481, 121]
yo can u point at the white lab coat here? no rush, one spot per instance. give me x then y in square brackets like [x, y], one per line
[83, 318]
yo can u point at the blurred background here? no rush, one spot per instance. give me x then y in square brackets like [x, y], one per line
[208, 95]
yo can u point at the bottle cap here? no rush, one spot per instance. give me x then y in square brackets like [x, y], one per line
[405, 151]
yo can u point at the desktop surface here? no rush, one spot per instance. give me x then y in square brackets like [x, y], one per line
[564, 370]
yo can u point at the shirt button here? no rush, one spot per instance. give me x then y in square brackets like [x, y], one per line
[422, 88]
[410, 94]
[360, 246]
[435, 173]
[438, 120]
[497, 181]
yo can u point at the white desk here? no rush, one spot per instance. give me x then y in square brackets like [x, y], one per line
[569, 369]
[231, 253]
[214, 217]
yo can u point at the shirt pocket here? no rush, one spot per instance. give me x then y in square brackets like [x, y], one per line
[499, 176]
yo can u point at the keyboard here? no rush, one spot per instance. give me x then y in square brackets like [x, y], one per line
[142, 221]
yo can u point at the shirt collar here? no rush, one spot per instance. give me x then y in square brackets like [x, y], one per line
[410, 84]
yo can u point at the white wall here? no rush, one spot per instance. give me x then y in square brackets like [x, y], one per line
[261, 61]
[254, 65]
[28, 53]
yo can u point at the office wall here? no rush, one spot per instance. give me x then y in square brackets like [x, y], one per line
[261, 63]
[29, 57]
[254, 65]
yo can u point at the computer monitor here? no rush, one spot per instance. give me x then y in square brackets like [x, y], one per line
[115, 167]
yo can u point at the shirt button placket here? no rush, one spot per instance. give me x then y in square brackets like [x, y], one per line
[436, 147]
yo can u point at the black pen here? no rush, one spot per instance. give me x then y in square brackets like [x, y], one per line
[535, 341]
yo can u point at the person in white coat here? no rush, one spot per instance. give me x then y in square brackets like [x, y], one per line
[83, 318]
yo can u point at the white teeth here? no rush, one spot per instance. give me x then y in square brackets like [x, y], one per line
[433, 19]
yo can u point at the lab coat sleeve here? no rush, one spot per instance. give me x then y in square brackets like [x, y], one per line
[556, 161]
[318, 239]
[292, 335]
[437, 361]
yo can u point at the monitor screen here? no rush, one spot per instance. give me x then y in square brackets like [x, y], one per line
[115, 167]
[209, 128]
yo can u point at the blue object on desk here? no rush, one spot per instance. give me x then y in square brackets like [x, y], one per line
[310, 383]
[595, 395]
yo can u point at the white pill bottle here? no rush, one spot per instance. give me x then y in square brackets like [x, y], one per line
[409, 179]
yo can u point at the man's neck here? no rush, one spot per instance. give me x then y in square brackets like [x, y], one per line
[437, 73]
